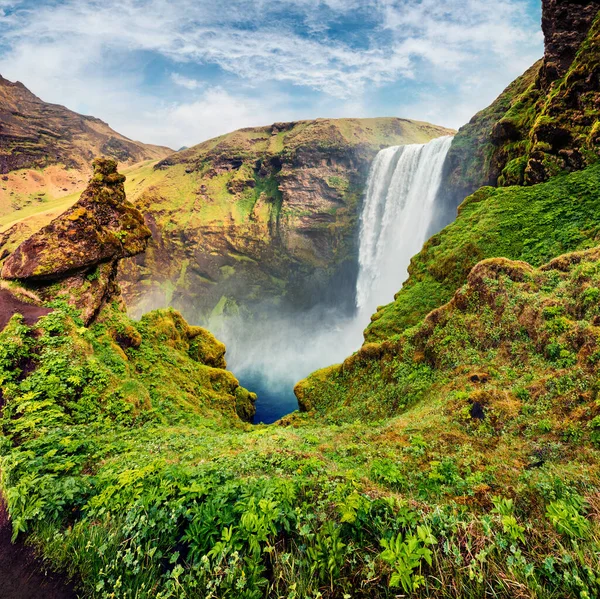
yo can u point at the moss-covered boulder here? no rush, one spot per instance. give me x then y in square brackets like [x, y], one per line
[170, 327]
[102, 226]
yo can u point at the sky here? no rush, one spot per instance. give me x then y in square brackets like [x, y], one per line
[177, 72]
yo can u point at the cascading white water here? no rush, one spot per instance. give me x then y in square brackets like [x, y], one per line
[271, 356]
[398, 210]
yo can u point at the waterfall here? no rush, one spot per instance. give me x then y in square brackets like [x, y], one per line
[398, 210]
[271, 355]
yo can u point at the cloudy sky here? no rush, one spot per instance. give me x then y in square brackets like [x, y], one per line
[176, 72]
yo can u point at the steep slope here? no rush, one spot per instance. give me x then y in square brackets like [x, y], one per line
[521, 223]
[125, 467]
[51, 148]
[538, 128]
[267, 214]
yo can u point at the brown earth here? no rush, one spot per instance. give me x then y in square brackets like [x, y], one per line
[36, 134]
[10, 305]
[22, 575]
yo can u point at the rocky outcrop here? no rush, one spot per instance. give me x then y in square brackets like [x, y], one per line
[73, 260]
[75, 257]
[266, 216]
[546, 121]
[565, 24]
[35, 134]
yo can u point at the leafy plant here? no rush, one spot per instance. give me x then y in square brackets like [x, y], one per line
[405, 554]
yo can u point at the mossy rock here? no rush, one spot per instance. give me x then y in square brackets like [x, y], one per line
[205, 348]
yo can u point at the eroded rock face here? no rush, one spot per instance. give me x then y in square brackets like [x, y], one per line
[565, 24]
[544, 123]
[75, 257]
[102, 226]
[35, 134]
[259, 220]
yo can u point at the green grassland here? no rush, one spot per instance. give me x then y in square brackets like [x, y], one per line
[521, 223]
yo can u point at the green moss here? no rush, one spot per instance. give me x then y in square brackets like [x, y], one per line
[531, 126]
[532, 224]
[128, 467]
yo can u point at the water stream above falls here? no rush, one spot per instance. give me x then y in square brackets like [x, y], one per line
[269, 356]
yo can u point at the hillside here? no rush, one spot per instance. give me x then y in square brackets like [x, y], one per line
[46, 149]
[463, 461]
[538, 223]
[266, 216]
[546, 121]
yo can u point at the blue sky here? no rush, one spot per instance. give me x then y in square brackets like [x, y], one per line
[177, 72]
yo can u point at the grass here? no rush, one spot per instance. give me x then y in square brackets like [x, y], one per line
[124, 461]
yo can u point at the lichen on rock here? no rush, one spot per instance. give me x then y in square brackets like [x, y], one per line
[75, 257]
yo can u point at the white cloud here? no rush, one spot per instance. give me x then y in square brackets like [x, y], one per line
[186, 82]
[214, 113]
[83, 53]
[446, 33]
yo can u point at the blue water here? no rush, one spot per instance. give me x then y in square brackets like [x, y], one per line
[275, 400]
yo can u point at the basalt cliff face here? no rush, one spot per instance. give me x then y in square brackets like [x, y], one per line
[546, 122]
[267, 215]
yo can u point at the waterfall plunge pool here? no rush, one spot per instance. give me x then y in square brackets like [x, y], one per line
[398, 211]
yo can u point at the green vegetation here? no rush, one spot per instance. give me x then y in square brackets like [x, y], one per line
[472, 151]
[521, 223]
[124, 460]
[534, 130]
[456, 454]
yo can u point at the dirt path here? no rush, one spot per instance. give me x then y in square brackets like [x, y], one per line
[22, 576]
[10, 305]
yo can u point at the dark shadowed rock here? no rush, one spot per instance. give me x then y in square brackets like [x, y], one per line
[565, 24]
[10, 305]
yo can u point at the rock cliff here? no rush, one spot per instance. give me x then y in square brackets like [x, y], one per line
[546, 121]
[261, 215]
